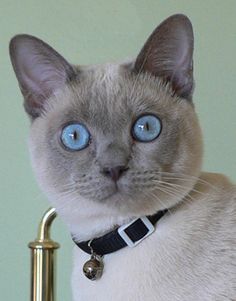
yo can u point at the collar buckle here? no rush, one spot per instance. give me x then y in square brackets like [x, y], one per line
[123, 234]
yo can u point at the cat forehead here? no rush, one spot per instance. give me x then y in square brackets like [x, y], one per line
[113, 84]
[111, 94]
[101, 93]
[107, 74]
[106, 80]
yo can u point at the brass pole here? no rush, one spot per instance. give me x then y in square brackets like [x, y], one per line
[42, 260]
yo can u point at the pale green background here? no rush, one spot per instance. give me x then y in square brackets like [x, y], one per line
[94, 32]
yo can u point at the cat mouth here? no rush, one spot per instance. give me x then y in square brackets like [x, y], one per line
[115, 193]
[114, 190]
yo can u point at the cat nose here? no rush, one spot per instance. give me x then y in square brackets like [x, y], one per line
[114, 172]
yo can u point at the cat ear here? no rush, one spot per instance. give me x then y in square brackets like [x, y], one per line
[40, 71]
[168, 54]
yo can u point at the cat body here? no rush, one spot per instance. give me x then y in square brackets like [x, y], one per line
[190, 256]
[117, 142]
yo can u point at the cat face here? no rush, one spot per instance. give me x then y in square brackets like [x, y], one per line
[123, 136]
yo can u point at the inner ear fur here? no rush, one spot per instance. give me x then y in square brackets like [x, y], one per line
[168, 53]
[40, 71]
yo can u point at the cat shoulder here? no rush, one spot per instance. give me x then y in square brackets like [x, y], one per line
[222, 182]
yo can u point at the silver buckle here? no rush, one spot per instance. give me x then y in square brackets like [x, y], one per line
[126, 238]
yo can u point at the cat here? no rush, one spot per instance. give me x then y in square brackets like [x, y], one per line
[114, 143]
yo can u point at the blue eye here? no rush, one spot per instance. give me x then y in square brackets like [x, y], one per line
[75, 136]
[146, 128]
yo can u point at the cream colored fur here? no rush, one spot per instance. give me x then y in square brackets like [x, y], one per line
[191, 256]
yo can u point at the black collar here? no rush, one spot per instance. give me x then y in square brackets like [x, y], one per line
[127, 235]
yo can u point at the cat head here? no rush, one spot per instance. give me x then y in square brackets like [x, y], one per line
[123, 138]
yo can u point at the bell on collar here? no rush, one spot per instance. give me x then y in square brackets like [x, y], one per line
[93, 268]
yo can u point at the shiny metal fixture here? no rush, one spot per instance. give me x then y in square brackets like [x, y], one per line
[43, 260]
[93, 268]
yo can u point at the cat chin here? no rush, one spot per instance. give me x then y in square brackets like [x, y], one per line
[87, 217]
[117, 204]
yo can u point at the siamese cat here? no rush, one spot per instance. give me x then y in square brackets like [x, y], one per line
[117, 149]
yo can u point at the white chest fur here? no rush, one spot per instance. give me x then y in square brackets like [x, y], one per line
[184, 259]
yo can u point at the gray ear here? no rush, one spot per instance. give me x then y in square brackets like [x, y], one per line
[40, 71]
[168, 54]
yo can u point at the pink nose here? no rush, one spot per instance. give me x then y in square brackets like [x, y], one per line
[114, 172]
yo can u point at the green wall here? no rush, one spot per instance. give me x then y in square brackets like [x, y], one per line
[94, 32]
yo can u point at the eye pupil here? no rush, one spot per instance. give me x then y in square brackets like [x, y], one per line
[75, 135]
[147, 126]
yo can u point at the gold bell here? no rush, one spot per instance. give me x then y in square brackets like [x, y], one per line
[93, 268]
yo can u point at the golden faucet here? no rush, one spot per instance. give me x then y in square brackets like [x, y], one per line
[43, 260]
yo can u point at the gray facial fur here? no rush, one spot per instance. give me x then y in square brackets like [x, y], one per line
[109, 107]
[107, 100]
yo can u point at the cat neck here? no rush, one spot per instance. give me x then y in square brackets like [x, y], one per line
[97, 219]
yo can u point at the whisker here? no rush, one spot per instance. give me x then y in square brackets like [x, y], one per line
[175, 190]
[168, 191]
[180, 186]
[186, 177]
[149, 193]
